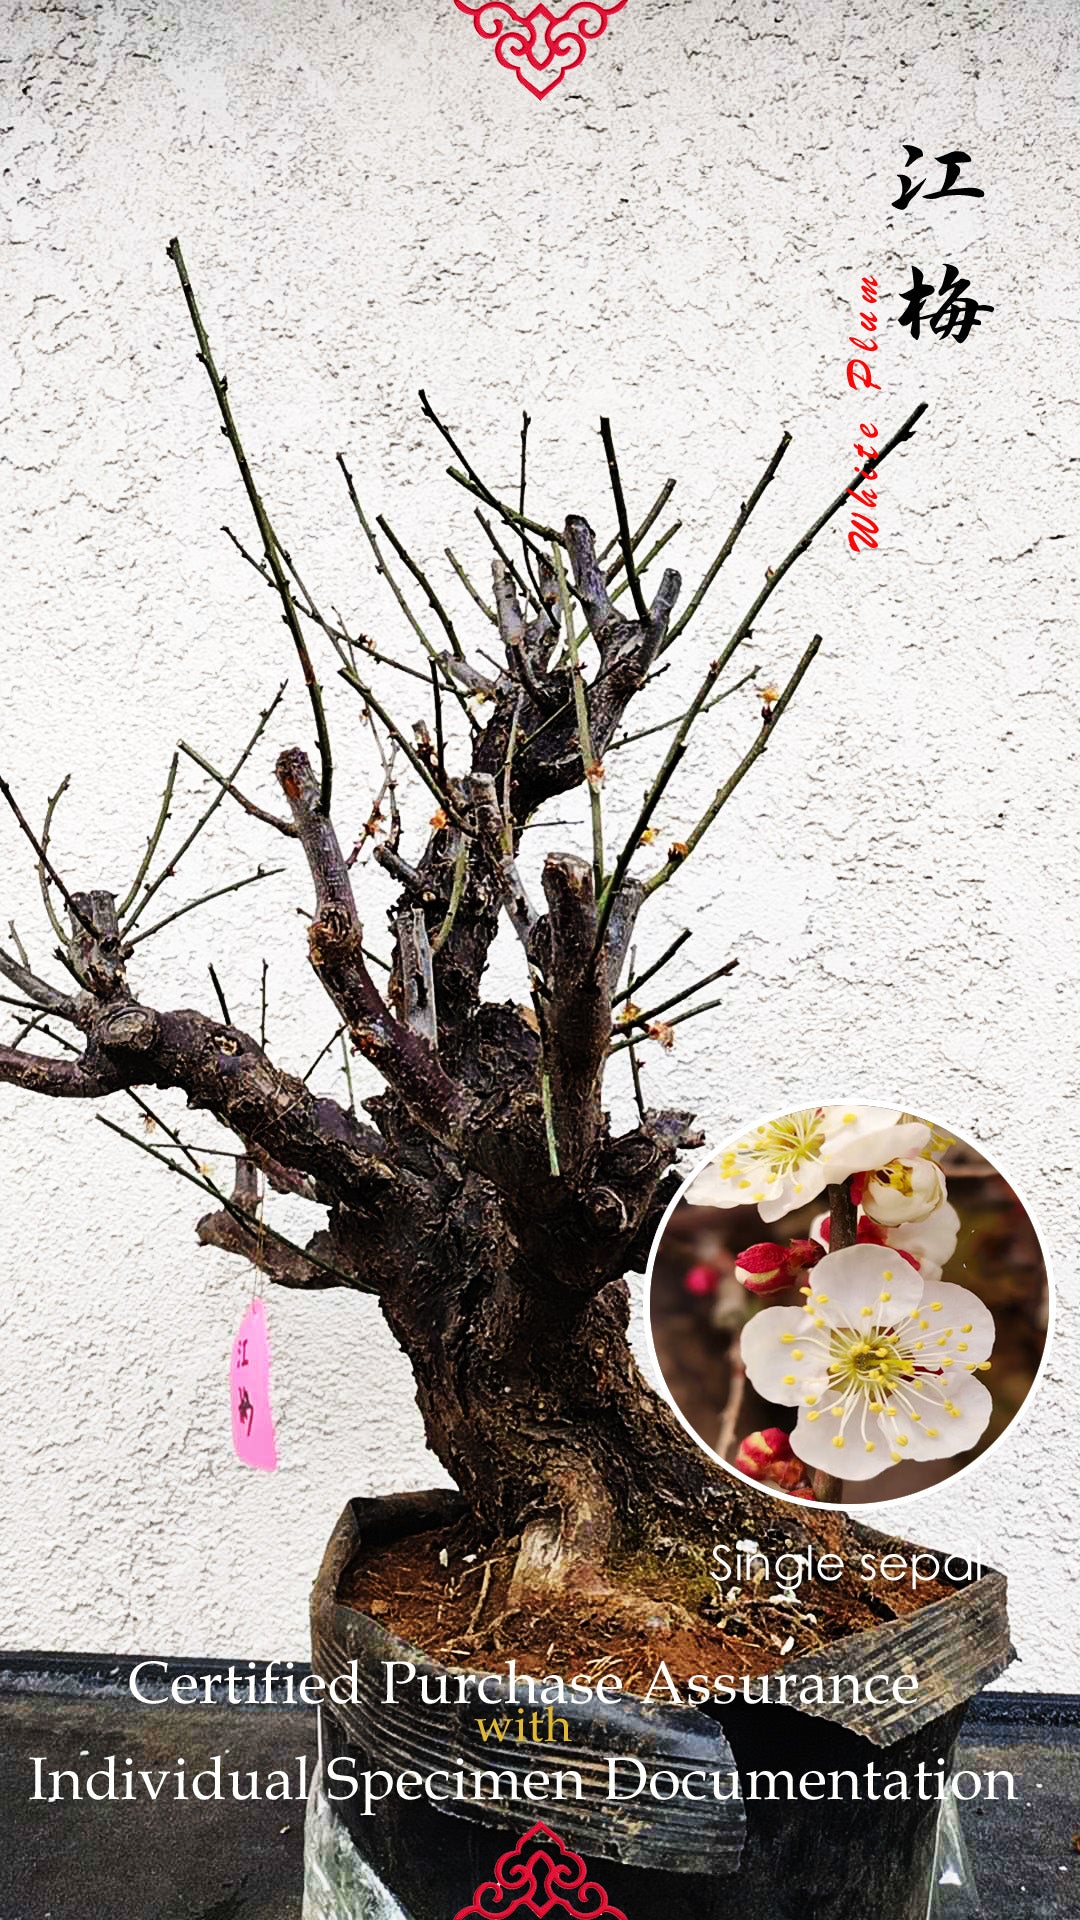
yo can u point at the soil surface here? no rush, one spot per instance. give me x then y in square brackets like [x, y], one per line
[444, 1591]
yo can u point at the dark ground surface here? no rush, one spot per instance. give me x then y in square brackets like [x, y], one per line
[229, 1860]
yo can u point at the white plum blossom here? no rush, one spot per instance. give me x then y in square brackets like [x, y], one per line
[903, 1191]
[787, 1161]
[880, 1365]
[932, 1242]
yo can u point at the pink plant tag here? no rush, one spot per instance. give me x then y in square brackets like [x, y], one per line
[249, 1387]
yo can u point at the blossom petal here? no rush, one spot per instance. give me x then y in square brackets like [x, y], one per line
[834, 1445]
[933, 1239]
[955, 1321]
[861, 1138]
[864, 1287]
[782, 1357]
[955, 1424]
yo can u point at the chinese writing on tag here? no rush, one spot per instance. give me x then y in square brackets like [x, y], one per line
[249, 1392]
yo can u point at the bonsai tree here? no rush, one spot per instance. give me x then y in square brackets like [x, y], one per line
[486, 1199]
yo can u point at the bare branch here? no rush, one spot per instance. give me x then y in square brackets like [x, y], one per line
[216, 893]
[335, 939]
[155, 837]
[42, 853]
[271, 549]
[625, 541]
[422, 580]
[257, 813]
[472, 591]
[723, 793]
[206, 816]
[741, 519]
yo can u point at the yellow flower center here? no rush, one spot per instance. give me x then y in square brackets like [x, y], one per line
[784, 1145]
[872, 1364]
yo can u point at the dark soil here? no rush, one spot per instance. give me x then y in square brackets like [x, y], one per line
[444, 1592]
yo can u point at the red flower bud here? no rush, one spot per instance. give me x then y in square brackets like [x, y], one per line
[766, 1268]
[767, 1456]
[871, 1235]
[701, 1279]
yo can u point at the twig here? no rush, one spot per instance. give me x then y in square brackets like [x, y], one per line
[633, 1040]
[220, 385]
[549, 1124]
[741, 519]
[415, 761]
[234, 886]
[643, 566]
[422, 580]
[724, 793]
[257, 813]
[653, 1013]
[638, 980]
[630, 846]
[470, 589]
[474, 1617]
[154, 840]
[380, 563]
[170, 866]
[46, 832]
[461, 864]
[216, 984]
[581, 706]
[661, 726]
[347, 1064]
[321, 1055]
[262, 1007]
[44, 861]
[624, 524]
[209, 1186]
[654, 513]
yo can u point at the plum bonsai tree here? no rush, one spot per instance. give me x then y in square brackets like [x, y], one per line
[488, 1204]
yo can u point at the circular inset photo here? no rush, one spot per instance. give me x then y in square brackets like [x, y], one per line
[848, 1304]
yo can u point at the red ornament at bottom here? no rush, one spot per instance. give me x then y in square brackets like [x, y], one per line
[540, 1876]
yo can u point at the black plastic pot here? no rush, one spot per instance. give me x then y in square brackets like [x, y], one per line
[670, 1859]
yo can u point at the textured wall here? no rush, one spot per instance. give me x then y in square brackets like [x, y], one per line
[676, 236]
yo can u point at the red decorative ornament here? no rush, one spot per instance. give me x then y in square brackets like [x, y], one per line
[540, 1876]
[540, 46]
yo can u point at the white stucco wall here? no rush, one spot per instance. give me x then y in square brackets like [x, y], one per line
[369, 203]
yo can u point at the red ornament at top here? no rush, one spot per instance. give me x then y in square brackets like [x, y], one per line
[539, 45]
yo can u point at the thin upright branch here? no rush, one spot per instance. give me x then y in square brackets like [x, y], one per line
[422, 580]
[219, 383]
[472, 591]
[381, 567]
[624, 524]
[723, 793]
[43, 858]
[154, 841]
[741, 519]
[255, 812]
[581, 706]
[653, 514]
[205, 817]
[772, 581]
[219, 994]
